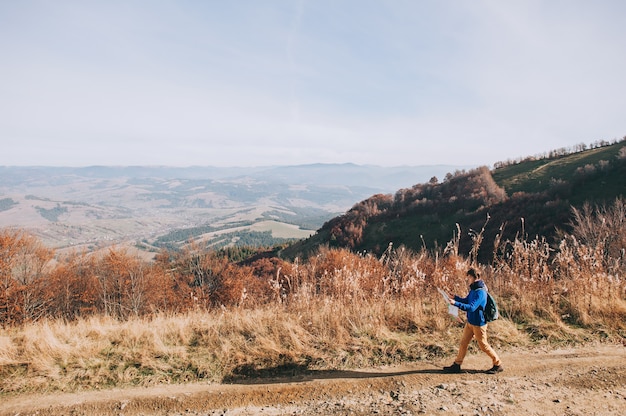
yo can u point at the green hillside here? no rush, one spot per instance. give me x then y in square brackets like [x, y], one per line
[535, 176]
[533, 197]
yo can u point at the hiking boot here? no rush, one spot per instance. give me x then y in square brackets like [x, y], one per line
[495, 369]
[454, 368]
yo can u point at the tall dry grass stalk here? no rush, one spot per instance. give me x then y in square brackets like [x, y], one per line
[580, 282]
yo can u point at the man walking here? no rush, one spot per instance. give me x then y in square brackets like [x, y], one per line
[476, 326]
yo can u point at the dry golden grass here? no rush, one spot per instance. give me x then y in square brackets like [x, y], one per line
[309, 332]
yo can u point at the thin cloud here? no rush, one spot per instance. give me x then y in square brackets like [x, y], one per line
[253, 83]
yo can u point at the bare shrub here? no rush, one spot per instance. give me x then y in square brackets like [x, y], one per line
[23, 274]
[524, 280]
[604, 229]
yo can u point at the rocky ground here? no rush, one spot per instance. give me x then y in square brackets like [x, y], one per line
[589, 380]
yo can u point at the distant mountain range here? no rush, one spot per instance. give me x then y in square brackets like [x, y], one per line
[377, 178]
[91, 207]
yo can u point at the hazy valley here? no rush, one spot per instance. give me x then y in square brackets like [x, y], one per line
[93, 207]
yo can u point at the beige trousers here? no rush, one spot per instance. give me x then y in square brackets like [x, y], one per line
[480, 333]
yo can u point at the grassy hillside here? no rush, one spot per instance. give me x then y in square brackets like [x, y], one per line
[535, 176]
[533, 197]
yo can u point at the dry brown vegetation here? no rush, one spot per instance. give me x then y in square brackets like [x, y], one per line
[95, 321]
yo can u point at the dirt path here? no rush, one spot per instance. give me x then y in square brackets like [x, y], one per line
[574, 381]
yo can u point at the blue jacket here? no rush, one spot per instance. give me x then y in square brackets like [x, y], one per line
[474, 304]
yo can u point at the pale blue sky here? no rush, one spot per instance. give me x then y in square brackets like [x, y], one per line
[285, 82]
